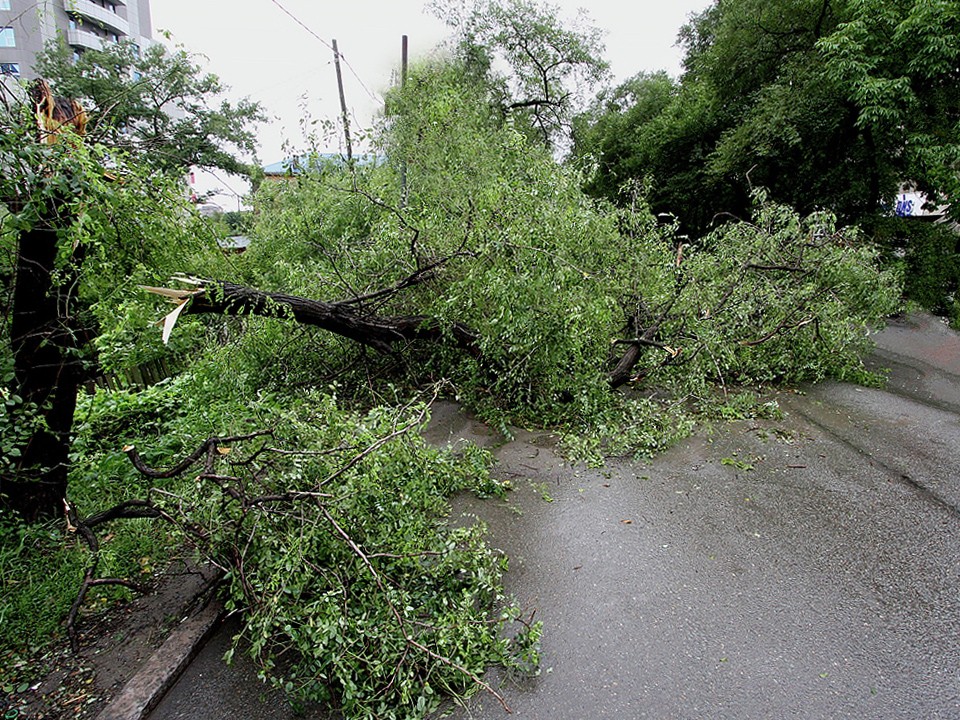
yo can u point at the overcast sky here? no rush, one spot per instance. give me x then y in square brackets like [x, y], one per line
[262, 52]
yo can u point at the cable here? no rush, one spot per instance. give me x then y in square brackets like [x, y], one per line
[299, 22]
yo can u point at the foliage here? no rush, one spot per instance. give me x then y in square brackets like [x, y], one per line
[338, 554]
[549, 64]
[826, 103]
[781, 298]
[126, 226]
[379, 605]
[548, 279]
[898, 64]
[354, 586]
[238, 221]
[156, 104]
[929, 257]
[38, 571]
[605, 136]
[82, 225]
[41, 564]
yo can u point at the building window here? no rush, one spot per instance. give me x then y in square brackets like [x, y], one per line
[7, 38]
[10, 68]
[4, 4]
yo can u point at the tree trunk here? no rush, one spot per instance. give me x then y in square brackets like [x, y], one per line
[344, 319]
[44, 335]
[47, 375]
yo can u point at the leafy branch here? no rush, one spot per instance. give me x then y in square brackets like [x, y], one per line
[302, 500]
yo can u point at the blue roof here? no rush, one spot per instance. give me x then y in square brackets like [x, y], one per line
[317, 161]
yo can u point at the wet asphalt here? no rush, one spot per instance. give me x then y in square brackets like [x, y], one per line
[801, 567]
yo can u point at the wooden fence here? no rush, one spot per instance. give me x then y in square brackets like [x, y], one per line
[138, 377]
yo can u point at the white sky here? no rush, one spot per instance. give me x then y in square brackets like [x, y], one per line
[261, 52]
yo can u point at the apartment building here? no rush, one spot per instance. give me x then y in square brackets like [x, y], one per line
[27, 25]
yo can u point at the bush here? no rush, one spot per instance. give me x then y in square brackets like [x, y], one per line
[929, 255]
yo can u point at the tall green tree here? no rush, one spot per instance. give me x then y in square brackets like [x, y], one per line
[538, 67]
[898, 66]
[155, 103]
[827, 103]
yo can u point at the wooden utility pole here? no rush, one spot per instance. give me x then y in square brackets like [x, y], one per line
[343, 102]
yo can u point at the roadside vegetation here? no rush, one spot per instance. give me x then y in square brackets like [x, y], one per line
[658, 277]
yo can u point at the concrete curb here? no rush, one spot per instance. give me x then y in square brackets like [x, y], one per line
[145, 689]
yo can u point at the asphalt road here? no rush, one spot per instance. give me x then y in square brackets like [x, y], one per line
[806, 567]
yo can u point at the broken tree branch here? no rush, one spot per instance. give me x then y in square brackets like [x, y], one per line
[341, 318]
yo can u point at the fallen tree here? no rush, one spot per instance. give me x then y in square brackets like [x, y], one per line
[540, 303]
[341, 592]
[778, 298]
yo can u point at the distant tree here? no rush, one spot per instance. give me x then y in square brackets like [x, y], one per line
[827, 103]
[605, 135]
[898, 65]
[238, 221]
[549, 64]
[155, 103]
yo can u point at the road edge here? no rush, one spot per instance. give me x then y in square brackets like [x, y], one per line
[147, 687]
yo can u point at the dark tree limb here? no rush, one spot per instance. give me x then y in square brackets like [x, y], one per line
[90, 579]
[208, 447]
[378, 332]
[622, 373]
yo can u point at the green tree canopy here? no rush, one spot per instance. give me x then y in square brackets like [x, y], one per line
[898, 65]
[827, 103]
[537, 66]
[155, 103]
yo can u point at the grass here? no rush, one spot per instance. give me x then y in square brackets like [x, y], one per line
[42, 566]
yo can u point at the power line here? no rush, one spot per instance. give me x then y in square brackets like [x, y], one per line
[353, 72]
[299, 22]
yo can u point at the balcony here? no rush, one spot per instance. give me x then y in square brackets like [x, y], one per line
[83, 39]
[99, 15]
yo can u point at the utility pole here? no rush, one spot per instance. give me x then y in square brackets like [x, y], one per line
[343, 102]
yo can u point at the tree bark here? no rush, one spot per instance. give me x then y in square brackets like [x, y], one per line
[47, 372]
[342, 318]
